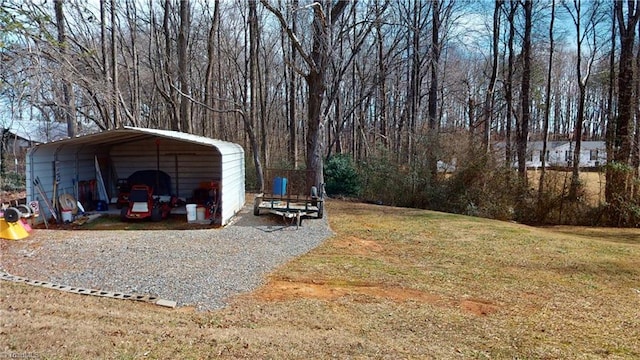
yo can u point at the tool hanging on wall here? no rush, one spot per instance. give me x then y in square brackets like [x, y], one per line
[44, 197]
[56, 181]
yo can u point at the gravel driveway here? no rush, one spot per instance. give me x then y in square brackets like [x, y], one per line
[201, 268]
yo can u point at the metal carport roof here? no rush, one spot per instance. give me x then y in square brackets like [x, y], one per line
[129, 133]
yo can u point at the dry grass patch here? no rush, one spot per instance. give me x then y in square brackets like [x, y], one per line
[593, 183]
[393, 283]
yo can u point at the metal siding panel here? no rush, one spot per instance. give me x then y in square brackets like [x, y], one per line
[40, 168]
[196, 163]
[233, 185]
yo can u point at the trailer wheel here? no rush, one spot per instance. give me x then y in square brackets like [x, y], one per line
[256, 207]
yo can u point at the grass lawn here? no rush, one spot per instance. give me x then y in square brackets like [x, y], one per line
[392, 283]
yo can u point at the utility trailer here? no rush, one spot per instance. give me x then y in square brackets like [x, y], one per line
[292, 195]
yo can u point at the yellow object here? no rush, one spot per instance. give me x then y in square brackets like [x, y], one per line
[12, 231]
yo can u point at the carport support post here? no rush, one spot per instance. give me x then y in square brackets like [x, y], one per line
[157, 165]
[177, 175]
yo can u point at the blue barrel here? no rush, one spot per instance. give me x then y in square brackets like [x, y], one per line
[280, 186]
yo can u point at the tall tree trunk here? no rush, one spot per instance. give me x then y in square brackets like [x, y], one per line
[68, 109]
[104, 65]
[432, 156]
[292, 86]
[577, 135]
[583, 79]
[324, 18]
[253, 91]
[414, 80]
[170, 93]
[223, 127]
[618, 171]
[316, 84]
[135, 68]
[209, 124]
[263, 73]
[523, 125]
[183, 69]
[509, 84]
[547, 107]
[635, 153]
[381, 77]
[117, 122]
[490, 97]
[611, 124]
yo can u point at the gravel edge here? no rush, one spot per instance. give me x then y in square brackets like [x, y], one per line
[199, 268]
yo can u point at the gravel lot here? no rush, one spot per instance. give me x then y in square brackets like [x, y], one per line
[200, 268]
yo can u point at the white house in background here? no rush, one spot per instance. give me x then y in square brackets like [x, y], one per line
[592, 154]
[559, 153]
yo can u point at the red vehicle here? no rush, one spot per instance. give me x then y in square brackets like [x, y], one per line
[143, 205]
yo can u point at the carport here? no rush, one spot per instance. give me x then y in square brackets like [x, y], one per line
[90, 167]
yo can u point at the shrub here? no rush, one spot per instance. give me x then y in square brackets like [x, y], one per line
[341, 176]
[382, 179]
[13, 181]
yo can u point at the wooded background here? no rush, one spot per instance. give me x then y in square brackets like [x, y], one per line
[377, 93]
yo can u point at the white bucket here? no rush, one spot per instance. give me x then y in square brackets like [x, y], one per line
[191, 212]
[67, 216]
[200, 213]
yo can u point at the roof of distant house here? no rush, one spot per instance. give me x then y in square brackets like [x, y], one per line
[36, 131]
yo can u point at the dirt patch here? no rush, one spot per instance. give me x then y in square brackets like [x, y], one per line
[281, 290]
[284, 290]
[478, 307]
[358, 246]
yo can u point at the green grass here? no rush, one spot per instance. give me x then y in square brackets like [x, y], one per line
[392, 283]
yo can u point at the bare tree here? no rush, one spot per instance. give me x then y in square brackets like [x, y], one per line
[508, 91]
[104, 70]
[117, 121]
[253, 90]
[586, 32]
[434, 119]
[213, 63]
[522, 127]
[317, 60]
[68, 110]
[547, 105]
[132, 65]
[490, 95]
[618, 187]
[183, 70]
[292, 85]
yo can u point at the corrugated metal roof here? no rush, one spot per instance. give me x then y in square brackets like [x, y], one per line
[130, 133]
[224, 147]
